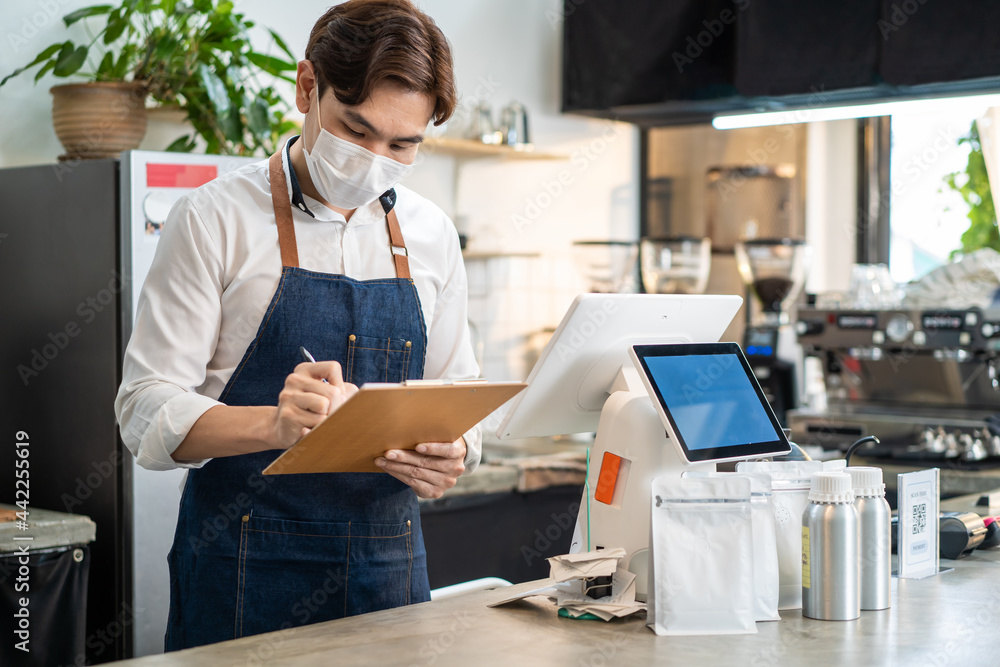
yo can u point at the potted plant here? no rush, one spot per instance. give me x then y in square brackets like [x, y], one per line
[194, 55]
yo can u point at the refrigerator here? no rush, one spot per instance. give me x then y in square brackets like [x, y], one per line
[76, 242]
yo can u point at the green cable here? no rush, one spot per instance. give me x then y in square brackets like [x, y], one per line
[586, 487]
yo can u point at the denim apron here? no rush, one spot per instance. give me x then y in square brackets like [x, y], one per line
[255, 553]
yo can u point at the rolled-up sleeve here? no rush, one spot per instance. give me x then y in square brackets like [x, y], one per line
[174, 338]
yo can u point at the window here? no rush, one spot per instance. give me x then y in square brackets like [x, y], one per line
[927, 218]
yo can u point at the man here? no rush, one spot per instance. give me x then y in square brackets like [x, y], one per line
[212, 378]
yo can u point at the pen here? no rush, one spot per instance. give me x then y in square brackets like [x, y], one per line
[308, 357]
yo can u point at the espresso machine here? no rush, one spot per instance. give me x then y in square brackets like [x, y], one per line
[774, 272]
[924, 381]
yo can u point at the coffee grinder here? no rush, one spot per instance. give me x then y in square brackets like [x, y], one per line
[774, 272]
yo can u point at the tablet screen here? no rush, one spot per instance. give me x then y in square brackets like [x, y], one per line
[711, 401]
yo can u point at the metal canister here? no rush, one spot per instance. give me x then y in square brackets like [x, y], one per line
[874, 517]
[514, 124]
[831, 582]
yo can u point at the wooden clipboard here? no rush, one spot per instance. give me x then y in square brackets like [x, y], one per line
[391, 416]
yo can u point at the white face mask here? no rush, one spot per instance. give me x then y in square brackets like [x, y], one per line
[347, 175]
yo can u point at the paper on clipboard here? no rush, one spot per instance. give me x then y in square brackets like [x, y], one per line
[392, 416]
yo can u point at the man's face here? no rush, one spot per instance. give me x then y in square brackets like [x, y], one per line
[391, 122]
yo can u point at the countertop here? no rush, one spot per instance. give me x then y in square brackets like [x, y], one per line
[952, 618]
[45, 530]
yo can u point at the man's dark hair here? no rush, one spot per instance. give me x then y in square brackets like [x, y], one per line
[361, 43]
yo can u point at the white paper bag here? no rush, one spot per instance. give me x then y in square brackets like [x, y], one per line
[765, 550]
[789, 496]
[701, 557]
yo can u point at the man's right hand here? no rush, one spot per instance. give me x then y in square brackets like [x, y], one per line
[306, 400]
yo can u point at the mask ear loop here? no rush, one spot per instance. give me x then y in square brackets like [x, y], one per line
[319, 114]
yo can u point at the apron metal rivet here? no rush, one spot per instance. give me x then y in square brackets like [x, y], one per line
[352, 337]
[246, 517]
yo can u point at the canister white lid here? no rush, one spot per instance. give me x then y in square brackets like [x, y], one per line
[867, 481]
[831, 487]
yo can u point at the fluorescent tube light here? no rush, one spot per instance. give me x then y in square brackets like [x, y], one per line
[814, 114]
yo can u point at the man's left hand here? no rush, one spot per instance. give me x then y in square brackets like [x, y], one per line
[430, 470]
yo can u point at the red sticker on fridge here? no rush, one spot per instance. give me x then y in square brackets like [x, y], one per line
[179, 175]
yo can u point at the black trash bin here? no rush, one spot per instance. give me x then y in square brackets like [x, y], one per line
[43, 587]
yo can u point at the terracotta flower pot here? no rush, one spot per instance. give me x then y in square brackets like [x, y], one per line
[99, 119]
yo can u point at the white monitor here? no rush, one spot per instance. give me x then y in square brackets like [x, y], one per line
[570, 382]
[709, 401]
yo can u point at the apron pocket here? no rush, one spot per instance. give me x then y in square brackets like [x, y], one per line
[294, 573]
[290, 573]
[383, 564]
[373, 359]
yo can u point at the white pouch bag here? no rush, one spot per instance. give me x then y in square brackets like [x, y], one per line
[790, 482]
[765, 549]
[701, 557]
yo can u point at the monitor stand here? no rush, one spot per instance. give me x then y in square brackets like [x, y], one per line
[631, 449]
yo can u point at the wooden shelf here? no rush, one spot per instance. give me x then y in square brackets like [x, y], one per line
[469, 148]
[482, 255]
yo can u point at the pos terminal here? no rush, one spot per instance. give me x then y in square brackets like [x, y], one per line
[660, 405]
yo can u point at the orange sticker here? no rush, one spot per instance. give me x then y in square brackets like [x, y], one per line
[608, 478]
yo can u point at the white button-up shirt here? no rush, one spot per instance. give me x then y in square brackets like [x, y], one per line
[216, 267]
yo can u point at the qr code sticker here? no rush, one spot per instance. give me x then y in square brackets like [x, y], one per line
[919, 518]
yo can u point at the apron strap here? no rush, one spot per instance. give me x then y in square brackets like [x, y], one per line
[283, 213]
[400, 257]
[286, 228]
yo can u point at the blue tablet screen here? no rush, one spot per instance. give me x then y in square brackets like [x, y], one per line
[711, 400]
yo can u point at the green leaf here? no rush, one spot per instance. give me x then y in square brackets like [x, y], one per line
[232, 125]
[116, 26]
[215, 89]
[281, 44]
[96, 10]
[48, 66]
[106, 67]
[166, 47]
[270, 64]
[184, 144]
[257, 119]
[70, 60]
[124, 62]
[44, 55]
[286, 126]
